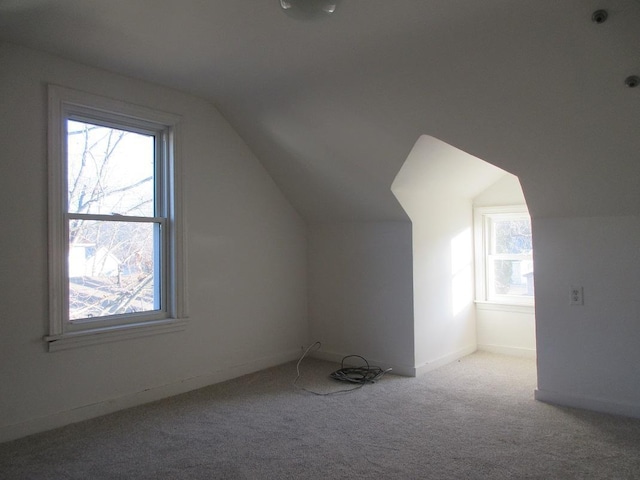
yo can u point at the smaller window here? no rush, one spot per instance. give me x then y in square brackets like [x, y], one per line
[504, 255]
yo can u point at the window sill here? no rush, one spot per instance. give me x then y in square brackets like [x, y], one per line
[505, 307]
[98, 336]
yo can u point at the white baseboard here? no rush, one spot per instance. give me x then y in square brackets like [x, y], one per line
[396, 369]
[510, 351]
[588, 403]
[444, 360]
[85, 412]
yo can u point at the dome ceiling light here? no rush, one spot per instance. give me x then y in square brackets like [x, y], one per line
[309, 9]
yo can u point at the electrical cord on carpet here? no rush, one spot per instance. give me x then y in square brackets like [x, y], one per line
[359, 376]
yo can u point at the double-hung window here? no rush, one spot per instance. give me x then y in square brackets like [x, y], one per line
[504, 255]
[115, 250]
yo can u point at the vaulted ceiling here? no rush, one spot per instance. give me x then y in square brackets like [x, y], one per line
[332, 107]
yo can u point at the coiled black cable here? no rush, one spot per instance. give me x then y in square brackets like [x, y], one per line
[357, 375]
[361, 375]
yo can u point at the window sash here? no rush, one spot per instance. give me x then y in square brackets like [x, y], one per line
[491, 274]
[159, 269]
[160, 134]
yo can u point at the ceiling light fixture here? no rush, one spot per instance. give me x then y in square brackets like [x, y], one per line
[309, 9]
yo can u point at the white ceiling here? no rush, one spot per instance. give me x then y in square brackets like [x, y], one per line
[333, 107]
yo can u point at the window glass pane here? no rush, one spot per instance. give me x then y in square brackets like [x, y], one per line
[109, 171]
[113, 268]
[512, 236]
[511, 277]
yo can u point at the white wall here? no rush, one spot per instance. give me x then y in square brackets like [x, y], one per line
[360, 292]
[505, 191]
[436, 186]
[505, 329]
[588, 355]
[445, 324]
[246, 272]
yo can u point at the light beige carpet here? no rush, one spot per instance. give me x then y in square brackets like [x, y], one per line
[473, 419]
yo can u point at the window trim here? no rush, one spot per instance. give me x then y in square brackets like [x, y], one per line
[482, 216]
[64, 103]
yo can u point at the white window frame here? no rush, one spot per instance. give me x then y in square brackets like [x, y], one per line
[482, 231]
[64, 104]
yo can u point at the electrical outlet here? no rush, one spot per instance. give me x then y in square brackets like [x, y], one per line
[577, 296]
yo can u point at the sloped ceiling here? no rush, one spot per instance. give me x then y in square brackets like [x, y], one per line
[333, 107]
